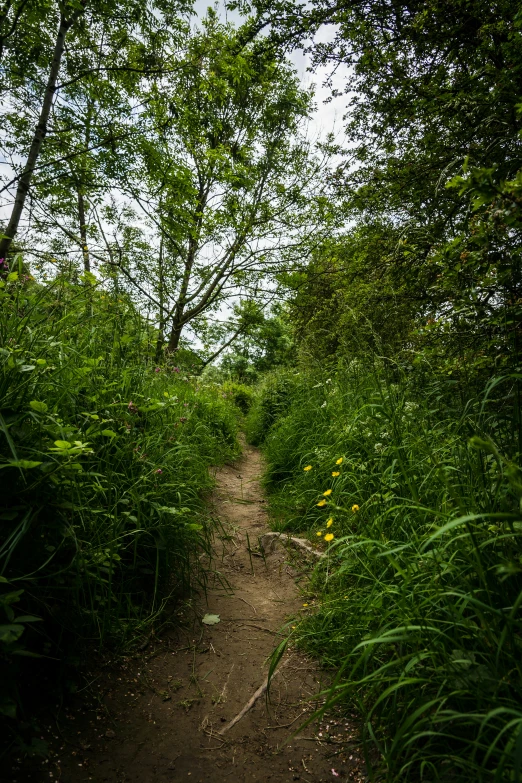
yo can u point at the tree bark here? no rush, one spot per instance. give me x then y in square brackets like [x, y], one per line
[175, 333]
[83, 231]
[41, 130]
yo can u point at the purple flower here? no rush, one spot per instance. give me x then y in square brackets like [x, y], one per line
[159, 470]
[176, 369]
[158, 369]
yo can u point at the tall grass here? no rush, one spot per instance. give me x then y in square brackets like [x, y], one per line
[419, 599]
[103, 458]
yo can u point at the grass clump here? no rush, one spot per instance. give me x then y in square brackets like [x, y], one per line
[419, 598]
[104, 458]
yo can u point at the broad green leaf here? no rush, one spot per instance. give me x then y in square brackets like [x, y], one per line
[10, 633]
[211, 619]
[40, 407]
[25, 464]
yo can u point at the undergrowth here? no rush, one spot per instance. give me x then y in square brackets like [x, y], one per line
[418, 601]
[104, 459]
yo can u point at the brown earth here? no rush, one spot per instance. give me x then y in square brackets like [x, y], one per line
[157, 717]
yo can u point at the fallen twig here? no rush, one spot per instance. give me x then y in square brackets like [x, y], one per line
[248, 706]
[298, 543]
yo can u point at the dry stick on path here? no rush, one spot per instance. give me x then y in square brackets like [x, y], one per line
[299, 543]
[250, 703]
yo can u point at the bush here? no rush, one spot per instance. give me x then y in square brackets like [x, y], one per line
[241, 395]
[104, 458]
[271, 401]
[419, 599]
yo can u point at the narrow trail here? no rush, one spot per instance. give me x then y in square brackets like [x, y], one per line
[162, 717]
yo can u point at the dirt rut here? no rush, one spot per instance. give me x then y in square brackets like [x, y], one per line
[160, 718]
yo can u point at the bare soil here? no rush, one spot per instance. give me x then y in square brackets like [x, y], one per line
[157, 716]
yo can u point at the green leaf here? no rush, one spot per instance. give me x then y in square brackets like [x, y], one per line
[211, 619]
[109, 434]
[12, 277]
[10, 633]
[38, 406]
[25, 464]
[27, 618]
[27, 367]
[88, 277]
[63, 444]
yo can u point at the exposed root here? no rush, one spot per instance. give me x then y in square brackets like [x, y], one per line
[270, 540]
[248, 706]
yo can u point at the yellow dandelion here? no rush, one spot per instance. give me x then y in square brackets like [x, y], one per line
[355, 508]
[335, 473]
[305, 604]
[328, 492]
[322, 503]
[329, 537]
[308, 467]
[330, 522]
[339, 461]
[293, 627]
[319, 533]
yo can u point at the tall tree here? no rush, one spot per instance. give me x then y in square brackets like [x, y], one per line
[112, 45]
[434, 131]
[224, 174]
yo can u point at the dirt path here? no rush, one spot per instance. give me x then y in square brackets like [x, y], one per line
[160, 720]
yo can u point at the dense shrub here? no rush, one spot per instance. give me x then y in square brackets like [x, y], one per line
[271, 401]
[419, 602]
[103, 461]
[241, 394]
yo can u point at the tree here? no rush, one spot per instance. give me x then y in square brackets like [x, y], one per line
[111, 46]
[433, 95]
[225, 176]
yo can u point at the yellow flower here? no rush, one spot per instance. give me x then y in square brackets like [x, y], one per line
[329, 537]
[308, 467]
[339, 461]
[330, 522]
[319, 533]
[322, 503]
[328, 492]
[335, 473]
[355, 508]
[305, 604]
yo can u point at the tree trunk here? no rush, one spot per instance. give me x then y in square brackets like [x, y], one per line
[175, 335]
[161, 327]
[83, 231]
[41, 129]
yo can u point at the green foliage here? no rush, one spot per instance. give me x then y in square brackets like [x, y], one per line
[241, 394]
[271, 401]
[103, 459]
[420, 597]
